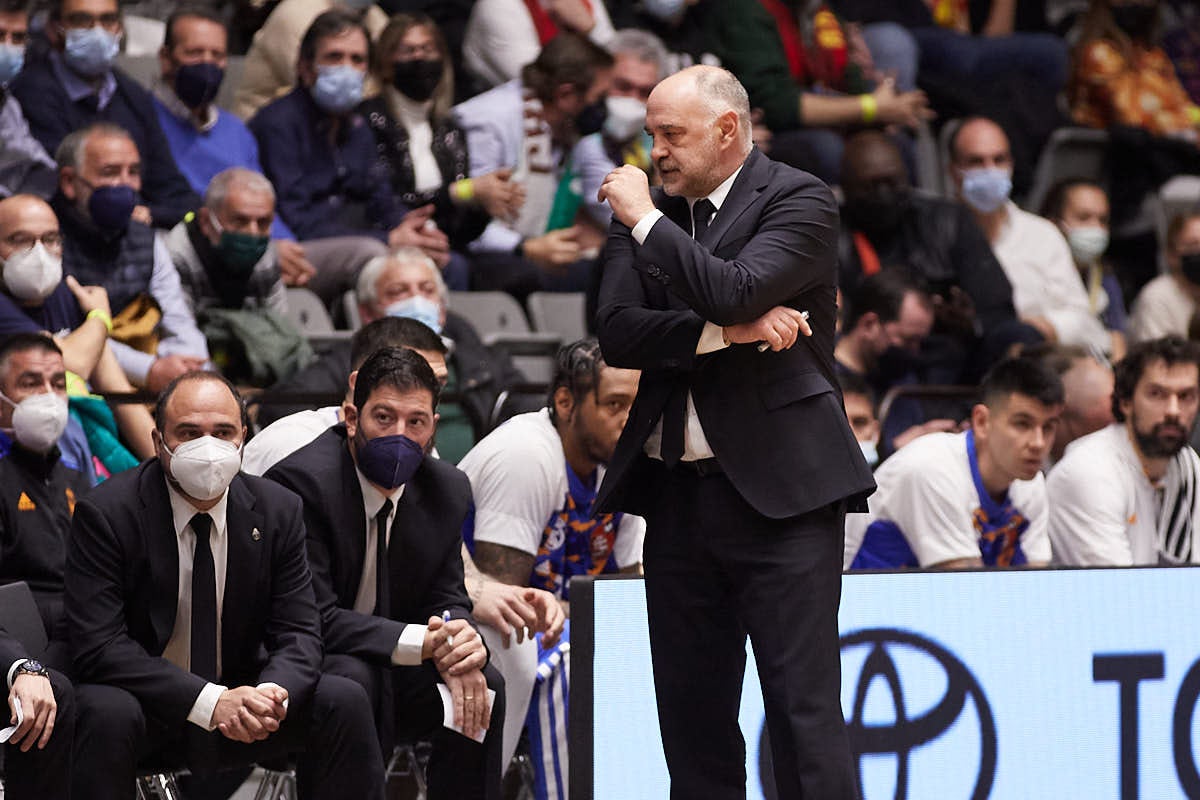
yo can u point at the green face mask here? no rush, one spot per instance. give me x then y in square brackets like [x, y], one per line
[241, 251]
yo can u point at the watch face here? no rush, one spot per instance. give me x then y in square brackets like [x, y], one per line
[31, 665]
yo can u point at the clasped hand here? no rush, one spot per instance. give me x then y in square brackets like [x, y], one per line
[248, 714]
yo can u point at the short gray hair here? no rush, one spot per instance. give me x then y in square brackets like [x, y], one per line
[368, 277]
[722, 91]
[218, 188]
[642, 45]
[70, 149]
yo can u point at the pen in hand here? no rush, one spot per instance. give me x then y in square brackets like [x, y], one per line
[763, 346]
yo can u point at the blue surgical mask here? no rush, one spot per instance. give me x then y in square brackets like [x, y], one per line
[985, 189]
[338, 89]
[663, 9]
[12, 58]
[420, 308]
[870, 452]
[389, 461]
[90, 51]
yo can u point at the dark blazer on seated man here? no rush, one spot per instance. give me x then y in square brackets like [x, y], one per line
[423, 552]
[34, 768]
[134, 611]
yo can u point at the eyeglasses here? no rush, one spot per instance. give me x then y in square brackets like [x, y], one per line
[26, 241]
[82, 19]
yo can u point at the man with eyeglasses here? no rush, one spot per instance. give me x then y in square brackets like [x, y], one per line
[75, 84]
[25, 166]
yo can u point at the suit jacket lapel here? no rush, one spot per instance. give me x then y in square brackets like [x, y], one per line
[162, 552]
[244, 554]
[745, 188]
[349, 525]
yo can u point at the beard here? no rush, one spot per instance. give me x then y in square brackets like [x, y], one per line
[1163, 441]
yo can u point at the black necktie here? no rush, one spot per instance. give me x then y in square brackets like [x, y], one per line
[383, 602]
[204, 602]
[675, 412]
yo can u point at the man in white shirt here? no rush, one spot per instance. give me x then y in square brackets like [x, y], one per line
[1047, 290]
[970, 499]
[1126, 495]
[192, 619]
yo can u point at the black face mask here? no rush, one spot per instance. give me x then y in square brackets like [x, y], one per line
[417, 79]
[591, 119]
[1135, 20]
[1189, 265]
[197, 85]
[878, 212]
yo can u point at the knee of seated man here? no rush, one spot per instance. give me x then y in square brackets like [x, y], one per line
[109, 711]
[342, 697]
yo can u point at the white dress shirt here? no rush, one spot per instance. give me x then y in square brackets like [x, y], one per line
[179, 646]
[412, 638]
[414, 118]
[695, 443]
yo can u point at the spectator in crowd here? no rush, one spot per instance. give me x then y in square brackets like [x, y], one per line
[859, 402]
[1126, 495]
[1181, 42]
[424, 150]
[40, 485]
[639, 63]
[1121, 76]
[287, 434]
[970, 499]
[678, 23]
[884, 222]
[38, 754]
[223, 253]
[812, 88]
[534, 481]
[1087, 393]
[75, 85]
[503, 36]
[1080, 209]
[270, 66]
[333, 192]
[376, 591]
[35, 298]
[25, 166]
[205, 139]
[528, 125]
[1166, 305]
[103, 244]
[1047, 290]
[214, 688]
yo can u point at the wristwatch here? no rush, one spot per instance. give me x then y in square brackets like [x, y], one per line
[32, 667]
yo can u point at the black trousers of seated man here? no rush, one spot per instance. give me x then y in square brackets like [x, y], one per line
[44, 774]
[116, 739]
[459, 768]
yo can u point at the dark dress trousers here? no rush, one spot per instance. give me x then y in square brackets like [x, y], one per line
[122, 590]
[752, 546]
[38, 774]
[425, 579]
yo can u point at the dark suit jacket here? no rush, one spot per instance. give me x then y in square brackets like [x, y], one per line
[122, 590]
[424, 551]
[774, 420]
[10, 651]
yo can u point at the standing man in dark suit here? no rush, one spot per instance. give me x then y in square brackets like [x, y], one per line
[192, 621]
[37, 760]
[737, 449]
[375, 504]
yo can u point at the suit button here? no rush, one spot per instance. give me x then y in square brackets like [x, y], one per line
[654, 271]
[671, 363]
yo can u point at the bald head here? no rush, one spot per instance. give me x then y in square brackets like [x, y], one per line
[871, 157]
[1087, 388]
[24, 220]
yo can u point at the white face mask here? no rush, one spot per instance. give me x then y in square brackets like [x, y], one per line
[204, 467]
[32, 274]
[870, 453]
[626, 118]
[1087, 244]
[39, 420]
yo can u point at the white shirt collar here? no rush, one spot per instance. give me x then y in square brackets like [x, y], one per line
[166, 95]
[182, 511]
[372, 498]
[717, 196]
[410, 113]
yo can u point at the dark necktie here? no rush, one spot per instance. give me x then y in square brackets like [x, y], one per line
[675, 412]
[204, 602]
[383, 602]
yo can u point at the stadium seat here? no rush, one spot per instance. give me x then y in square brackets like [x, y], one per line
[502, 324]
[564, 313]
[1069, 153]
[311, 317]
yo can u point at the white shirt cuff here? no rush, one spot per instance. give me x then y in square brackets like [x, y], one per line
[13, 670]
[275, 685]
[202, 710]
[712, 339]
[409, 646]
[642, 229]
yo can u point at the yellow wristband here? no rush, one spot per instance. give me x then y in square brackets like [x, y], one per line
[103, 316]
[870, 107]
[465, 189]
[1193, 114]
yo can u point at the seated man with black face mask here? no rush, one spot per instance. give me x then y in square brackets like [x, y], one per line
[223, 253]
[884, 223]
[384, 528]
[155, 337]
